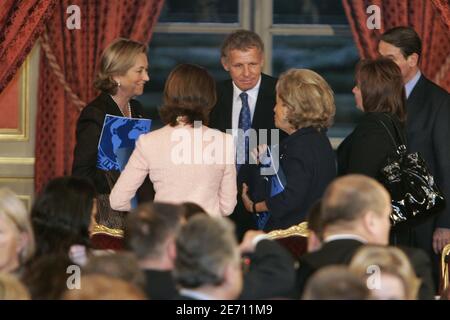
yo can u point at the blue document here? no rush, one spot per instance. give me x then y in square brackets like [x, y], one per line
[117, 140]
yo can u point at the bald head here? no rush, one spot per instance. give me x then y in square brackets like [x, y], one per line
[350, 197]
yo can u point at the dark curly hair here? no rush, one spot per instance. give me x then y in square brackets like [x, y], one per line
[61, 215]
[190, 92]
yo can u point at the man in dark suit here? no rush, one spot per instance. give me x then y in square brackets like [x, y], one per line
[150, 232]
[242, 55]
[428, 132]
[355, 211]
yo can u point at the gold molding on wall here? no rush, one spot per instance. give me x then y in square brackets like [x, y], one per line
[16, 160]
[22, 132]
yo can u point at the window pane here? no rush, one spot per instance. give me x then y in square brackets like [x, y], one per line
[200, 11]
[168, 50]
[334, 58]
[308, 12]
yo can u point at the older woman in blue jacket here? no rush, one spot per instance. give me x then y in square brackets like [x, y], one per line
[304, 110]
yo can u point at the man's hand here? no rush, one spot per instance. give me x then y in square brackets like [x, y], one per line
[441, 238]
[248, 204]
[248, 245]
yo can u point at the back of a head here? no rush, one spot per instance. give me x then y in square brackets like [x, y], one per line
[404, 38]
[387, 260]
[381, 84]
[121, 265]
[205, 246]
[308, 98]
[150, 226]
[102, 287]
[336, 283]
[13, 209]
[192, 209]
[190, 92]
[348, 198]
[61, 215]
[241, 40]
[46, 276]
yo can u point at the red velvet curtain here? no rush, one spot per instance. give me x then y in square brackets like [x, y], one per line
[68, 66]
[21, 23]
[429, 18]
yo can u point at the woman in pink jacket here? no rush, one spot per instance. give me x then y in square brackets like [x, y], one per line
[185, 160]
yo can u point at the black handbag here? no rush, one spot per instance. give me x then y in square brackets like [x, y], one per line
[415, 195]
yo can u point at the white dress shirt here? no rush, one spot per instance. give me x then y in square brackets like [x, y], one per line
[237, 103]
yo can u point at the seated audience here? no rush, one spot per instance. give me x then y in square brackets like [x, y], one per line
[17, 240]
[355, 211]
[150, 233]
[388, 273]
[336, 283]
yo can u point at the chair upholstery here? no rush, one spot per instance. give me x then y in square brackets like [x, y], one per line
[104, 238]
[294, 239]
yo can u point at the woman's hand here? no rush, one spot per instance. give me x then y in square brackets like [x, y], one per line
[259, 152]
[248, 203]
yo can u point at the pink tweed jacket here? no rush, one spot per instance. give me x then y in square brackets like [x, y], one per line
[184, 164]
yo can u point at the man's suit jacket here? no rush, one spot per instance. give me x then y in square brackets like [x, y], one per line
[366, 149]
[263, 118]
[271, 273]
[341, 252]
[428, 131]
[160, 284]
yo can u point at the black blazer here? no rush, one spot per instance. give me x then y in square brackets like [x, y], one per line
[340, 252]
[89, 128]
[428, 131]
[271, 273]
[160, 284]
[309, 164]
[366, 149]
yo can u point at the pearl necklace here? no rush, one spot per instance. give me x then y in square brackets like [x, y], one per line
[121, 111]
[129, 111]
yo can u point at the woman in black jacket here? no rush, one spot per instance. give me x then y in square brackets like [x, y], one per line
[121, 77]
[380, 94]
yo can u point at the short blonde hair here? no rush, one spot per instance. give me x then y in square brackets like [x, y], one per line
[308, 97]
[116, 60]
[391, 261]
[13, 209]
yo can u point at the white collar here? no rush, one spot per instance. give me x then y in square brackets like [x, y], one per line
[195, 294]
[253, 92]
[345, 236]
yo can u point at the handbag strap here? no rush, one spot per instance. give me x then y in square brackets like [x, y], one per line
[389, 133]
[398, 132]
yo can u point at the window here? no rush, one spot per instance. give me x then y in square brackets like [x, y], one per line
[297, 34]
